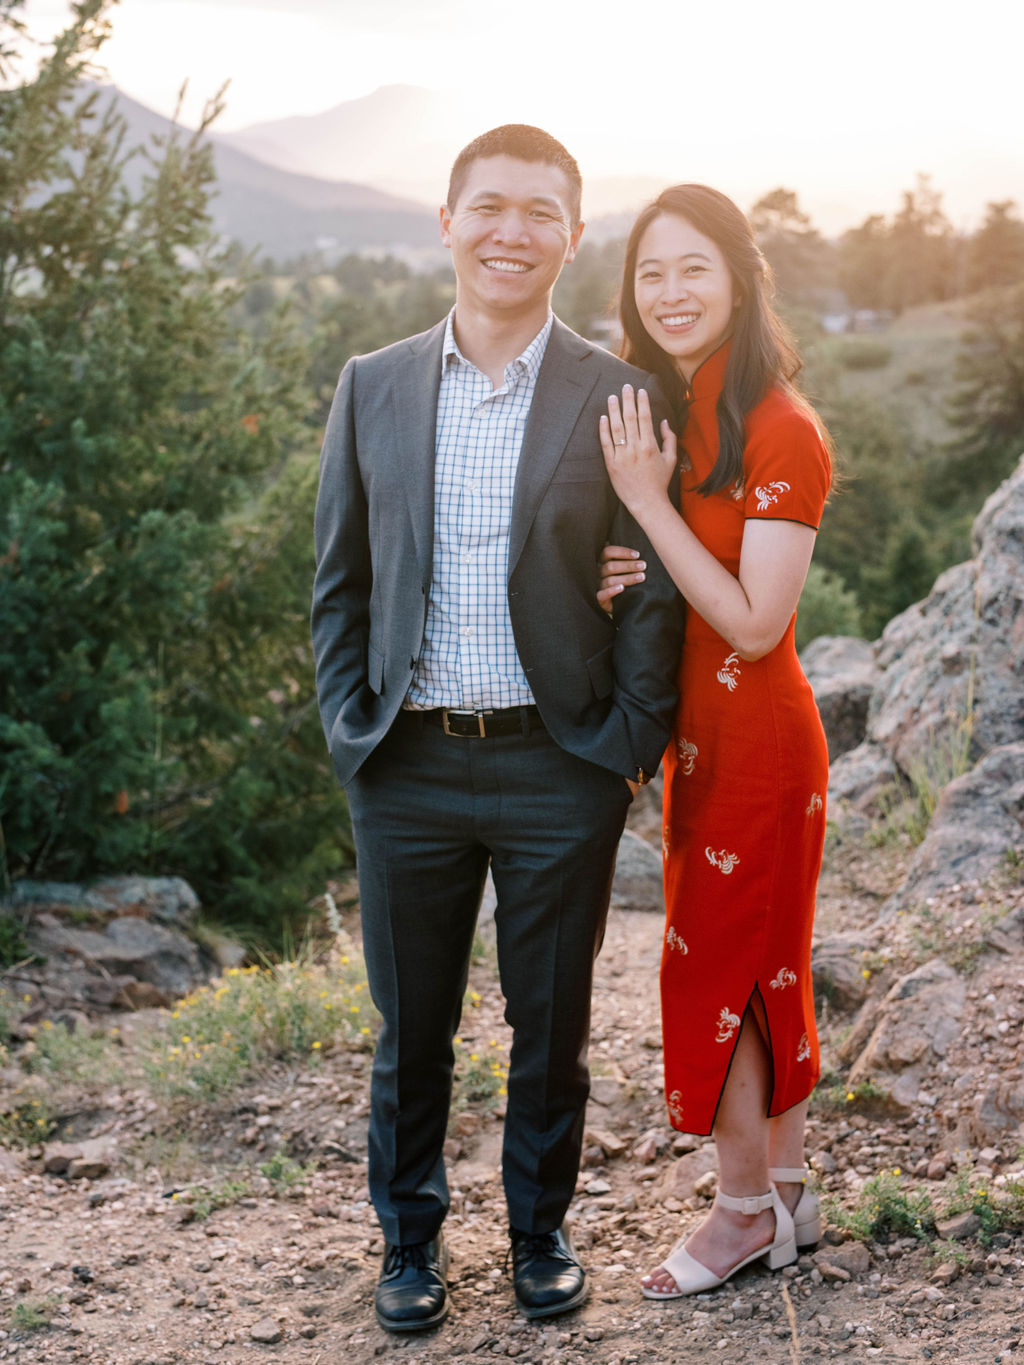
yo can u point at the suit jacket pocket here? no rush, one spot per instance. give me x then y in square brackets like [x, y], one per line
[375, 670]
[602, 675]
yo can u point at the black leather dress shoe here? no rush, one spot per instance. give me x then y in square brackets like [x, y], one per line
[548, 1278]
[412, 1292]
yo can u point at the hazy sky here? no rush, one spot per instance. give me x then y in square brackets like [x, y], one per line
[843, 102]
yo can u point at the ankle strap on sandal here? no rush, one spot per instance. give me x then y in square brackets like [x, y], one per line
[795, 1174]
[754, 1203]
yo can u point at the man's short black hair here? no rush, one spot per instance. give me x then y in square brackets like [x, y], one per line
[525, 143]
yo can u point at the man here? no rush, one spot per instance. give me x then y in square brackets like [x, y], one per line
[480, 707]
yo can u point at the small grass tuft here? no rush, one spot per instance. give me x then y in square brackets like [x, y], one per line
[886, 1205]
[34, 1314]
[25, 1119]
[481, 1074]
[221, 1194]
[283, 1172]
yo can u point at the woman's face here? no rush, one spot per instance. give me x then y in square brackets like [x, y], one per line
[684, 291]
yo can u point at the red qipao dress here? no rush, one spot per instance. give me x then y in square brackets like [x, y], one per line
[745, 777]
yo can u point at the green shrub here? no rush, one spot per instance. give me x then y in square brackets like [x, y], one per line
[885, 1205]
[864, 354]
[217, 1036]
[827, 607]
[13, 946]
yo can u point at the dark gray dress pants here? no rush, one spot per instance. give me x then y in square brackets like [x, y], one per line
[429, 813]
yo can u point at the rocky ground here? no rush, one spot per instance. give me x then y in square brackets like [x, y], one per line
[129, 1275]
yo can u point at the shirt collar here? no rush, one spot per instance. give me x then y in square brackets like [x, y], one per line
[530, 360]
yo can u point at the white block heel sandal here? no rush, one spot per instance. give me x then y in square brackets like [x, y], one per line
[693, 1278]
[807, 1214]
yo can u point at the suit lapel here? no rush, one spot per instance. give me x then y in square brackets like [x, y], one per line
[563, 387]
[415, 398]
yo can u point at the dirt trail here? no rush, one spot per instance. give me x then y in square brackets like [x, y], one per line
[287, 1275]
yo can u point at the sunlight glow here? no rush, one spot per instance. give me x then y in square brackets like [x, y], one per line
[844, 104]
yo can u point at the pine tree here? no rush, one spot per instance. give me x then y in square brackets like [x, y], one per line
[156, 487]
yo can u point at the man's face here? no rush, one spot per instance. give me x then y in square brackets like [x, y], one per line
[510, 233]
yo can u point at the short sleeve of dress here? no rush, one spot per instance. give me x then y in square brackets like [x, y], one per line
[786, 465]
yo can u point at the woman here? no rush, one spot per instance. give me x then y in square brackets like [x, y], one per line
[747, 768]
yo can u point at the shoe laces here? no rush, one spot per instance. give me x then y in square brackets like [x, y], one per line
[527, 1245]
[400, 1258]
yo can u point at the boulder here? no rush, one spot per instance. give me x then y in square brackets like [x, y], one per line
[637, 884]
[978, 820]
[915, 1024]
[837, 967]
[952, 666]
[682, 1177]
[842, 672]
[857, 779]
[168, 899]
[999, 1112]
[127, 948]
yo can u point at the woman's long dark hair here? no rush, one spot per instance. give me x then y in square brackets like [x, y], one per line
[763, 354]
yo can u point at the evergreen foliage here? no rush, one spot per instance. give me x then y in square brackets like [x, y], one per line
[911, 258]
[827, 607]
[986, 409]
[156, 487]
[800, 258]
[877, 535]
[996, 255]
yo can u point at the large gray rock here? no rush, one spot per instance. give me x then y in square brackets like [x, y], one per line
[912, 1030]
[843, 674]
[837, 966]
[168, 899]
[637, 884]
[999, 1112]
[978, 820]
[127, 948]
[951, 683]
[858, 779]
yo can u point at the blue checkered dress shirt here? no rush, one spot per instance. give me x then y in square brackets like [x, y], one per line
[469, 660]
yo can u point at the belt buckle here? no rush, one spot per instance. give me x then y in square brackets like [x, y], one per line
[479, 716]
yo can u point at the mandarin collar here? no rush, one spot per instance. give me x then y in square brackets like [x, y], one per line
[709, 377]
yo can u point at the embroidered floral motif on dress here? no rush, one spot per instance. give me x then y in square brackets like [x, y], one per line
[815, 804]
[725, 862]
[687, 755]
[729, 672]
[786, 977]
[803, 1051]
[674, 940]
[675, 1106]
[728, 1023]
[767, 494]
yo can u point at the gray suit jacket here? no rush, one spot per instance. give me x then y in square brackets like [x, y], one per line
[606, 690]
